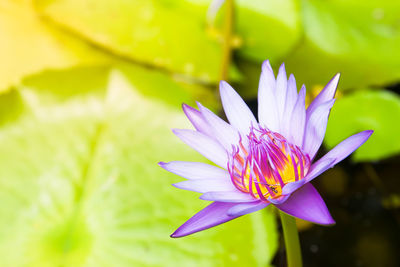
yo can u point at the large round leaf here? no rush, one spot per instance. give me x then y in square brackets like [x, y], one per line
[360, 39]
[268, 29]
[28, 45]
[167, 34]
[367, 110]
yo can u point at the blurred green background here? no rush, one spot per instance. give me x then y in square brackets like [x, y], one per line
[90, 90]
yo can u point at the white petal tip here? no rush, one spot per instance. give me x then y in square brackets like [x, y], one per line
[222, 84]
[333, 83]
[182, 185]
[266, 66]
[205, 196]
[200, 106]
[224, 87]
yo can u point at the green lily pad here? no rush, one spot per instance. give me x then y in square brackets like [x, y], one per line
[80, 185]
[268, 29]
[29, 46]
[360, 39]
[367, 110]
[167, 34]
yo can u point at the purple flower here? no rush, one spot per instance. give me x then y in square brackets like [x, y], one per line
[260, 163]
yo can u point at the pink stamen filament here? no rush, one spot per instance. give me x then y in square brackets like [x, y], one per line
[268, 163]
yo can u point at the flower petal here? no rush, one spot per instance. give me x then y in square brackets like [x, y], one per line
[291, 98]
[236, 110]
[246, 208]
[212, 215]
[268, 115]
[280, 91]
[278, 200]
[197, 119]
[307, 204]
[222, 131]
[298, 119]
[316, 127]
[337, 154]
[227, 196]
[206, 185]
[293, 186]
[326, 94]
[206, 146]
[347, 146]
[195, 170]
[291, 95]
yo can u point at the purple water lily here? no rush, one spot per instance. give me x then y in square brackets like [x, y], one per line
[260, 163]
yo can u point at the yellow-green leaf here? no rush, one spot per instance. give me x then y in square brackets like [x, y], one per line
[29, 46]
[367, 110]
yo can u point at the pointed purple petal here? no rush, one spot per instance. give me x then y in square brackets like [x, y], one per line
[298, 119]
[222, 131]
[280, 92]
[307, 204]
[206, 146]
[197, 119]
[326, 94]
[347, 146]
[212, 215]
[228, 196]
[338, 153]
[268, 115]
[195, 170]
[206, 185]
[316, 127]
[236, 110]
[246, 208]
[291, 98]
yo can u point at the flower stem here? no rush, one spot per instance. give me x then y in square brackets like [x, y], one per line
[292, 242]
[227, 39]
